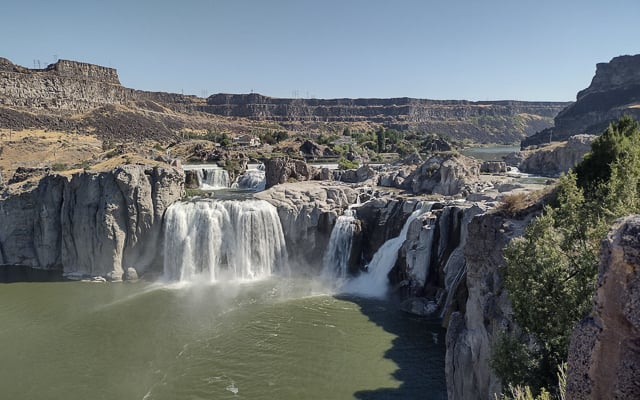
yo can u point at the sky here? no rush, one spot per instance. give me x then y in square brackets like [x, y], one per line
[455, 49]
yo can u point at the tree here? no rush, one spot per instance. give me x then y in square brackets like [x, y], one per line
[381, 140]
[550, 271]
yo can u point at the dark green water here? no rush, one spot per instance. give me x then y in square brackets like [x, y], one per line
[275, 339]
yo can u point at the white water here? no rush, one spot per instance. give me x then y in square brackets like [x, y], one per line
[222, 240]
[375, 283]
[336, 258]
[210, 177]
[253, 178]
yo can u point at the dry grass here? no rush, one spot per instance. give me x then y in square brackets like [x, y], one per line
[519, 203]
[38, 148]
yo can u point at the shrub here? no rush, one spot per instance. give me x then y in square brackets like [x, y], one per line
[343, 164]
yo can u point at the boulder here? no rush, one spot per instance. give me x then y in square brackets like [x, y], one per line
[361, 174]
[446, 174]
[493, 167]
[281, 170]
[604, 354]
[309, 149]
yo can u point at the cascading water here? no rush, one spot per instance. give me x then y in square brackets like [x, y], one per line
[253, 179]
[210, 177]
[336, 258]
[223, 240]
[374, 283]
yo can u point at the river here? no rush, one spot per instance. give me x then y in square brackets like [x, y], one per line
[277, 338]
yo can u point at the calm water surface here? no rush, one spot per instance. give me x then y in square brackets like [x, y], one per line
[275, 339]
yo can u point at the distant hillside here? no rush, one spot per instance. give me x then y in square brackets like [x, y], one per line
[86, 98]
[486, 121]
[614, 91]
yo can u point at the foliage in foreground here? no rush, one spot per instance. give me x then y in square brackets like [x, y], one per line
[550, 272]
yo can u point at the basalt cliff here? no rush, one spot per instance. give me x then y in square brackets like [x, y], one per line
[87, 224]
[86, 98]
[614, 92]
[488, 121]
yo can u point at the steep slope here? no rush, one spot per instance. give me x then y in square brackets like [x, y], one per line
[614, 91]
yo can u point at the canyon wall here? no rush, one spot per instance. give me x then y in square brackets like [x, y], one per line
[89, 224]
[614, 92]
[72, 86]
[488, 121]
[604, 355]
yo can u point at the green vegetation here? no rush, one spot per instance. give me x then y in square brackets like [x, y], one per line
[59, 167]
[343, 164]
[273, 137]
[550, 272]
[189, 193]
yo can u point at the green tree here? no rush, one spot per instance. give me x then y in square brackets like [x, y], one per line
[381, 140]
[550, 271]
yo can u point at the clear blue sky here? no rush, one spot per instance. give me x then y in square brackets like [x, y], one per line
[456, 49]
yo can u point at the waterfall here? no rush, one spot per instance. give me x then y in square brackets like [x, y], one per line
[374, 283]
[222, 240]
[253, 179]
[210, 177]
[336, 258]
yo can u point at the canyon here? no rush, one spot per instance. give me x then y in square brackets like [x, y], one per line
[441, 222]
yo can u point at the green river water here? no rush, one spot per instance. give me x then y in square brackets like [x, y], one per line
[280, 338]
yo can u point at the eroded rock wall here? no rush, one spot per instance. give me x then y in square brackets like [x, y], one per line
[604, 354]
[308, 211]
[89, 224]
[614, 92]
[472, 332]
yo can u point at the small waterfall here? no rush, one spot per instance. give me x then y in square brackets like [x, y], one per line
[336, 258]
[222, 240]
[374, 283]
[253, 179]
[210, 177]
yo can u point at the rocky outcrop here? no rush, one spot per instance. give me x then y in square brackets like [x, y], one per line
[89, 224]
[493, 167]
[281, 170]
[362, 174]
[73, 86]
[487, 311]
[604, 355]
[308, 211]
[614, 92]
[490, 122]
[447, 174]
[557, 158]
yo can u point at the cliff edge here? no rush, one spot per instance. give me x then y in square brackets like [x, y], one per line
[604, 355]
[614, 92]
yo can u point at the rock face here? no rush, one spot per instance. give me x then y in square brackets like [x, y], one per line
[308, 211]
[604, 355]
[472, 331]
[459, 118]
[446, 174]
[493, 167]
[614, 92]
[281, 170]
[91, 224]
[556, 159]
[71, 85]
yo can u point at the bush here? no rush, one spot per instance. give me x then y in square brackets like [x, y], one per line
[550, 272]
[59, 167]
[343, 164]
